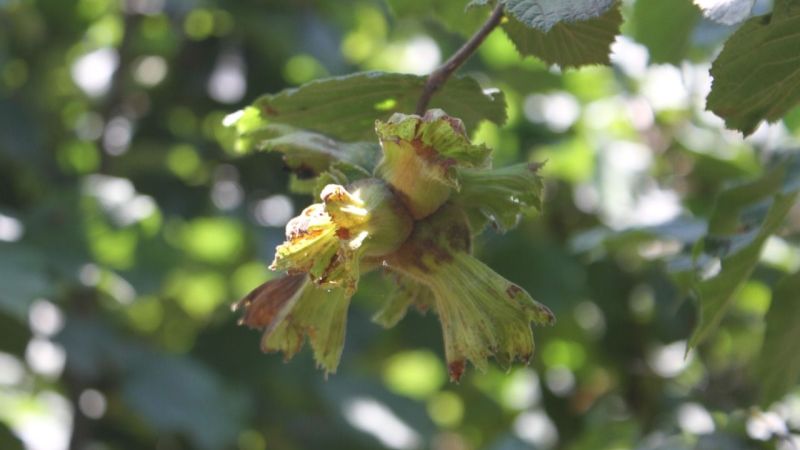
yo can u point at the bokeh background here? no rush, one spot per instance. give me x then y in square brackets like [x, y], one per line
[126, 232]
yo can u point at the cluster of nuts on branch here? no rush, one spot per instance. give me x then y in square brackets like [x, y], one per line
[414, 216]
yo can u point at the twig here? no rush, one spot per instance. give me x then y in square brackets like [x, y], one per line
[439, 76]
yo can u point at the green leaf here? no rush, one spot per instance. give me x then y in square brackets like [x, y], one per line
[346, 107]
[778, 367]
[175, 394]
[757, 75]
[731, 205]
[545, 14]
[313, 157]
[8, 440]
[94, 346]
[684, 230]
[664, 27]
[743, 205]
[568, 44]
[716, 294]
[23, 277]
[306, 151]
[740, 252]
[450, 13]
[728, 12]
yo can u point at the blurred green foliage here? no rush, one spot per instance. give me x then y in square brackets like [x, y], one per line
[127, 230]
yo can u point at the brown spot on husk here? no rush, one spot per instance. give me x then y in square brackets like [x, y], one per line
[545, 311]
[433, 242]
[343, 233]
[335, 195]
[456, 370]
[332, 265]
[268, 110]
[298, 227]
[512, 290]
[431, 155]
[459, 238]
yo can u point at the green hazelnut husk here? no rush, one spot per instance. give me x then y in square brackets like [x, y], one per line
[327, 240]
[311, 243]
[419, 157]
[499, 196]
[368, 216]
[482, 314]
[405, 294]
[431, 191]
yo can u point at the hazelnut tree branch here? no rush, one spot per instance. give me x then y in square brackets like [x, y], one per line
[439, 76]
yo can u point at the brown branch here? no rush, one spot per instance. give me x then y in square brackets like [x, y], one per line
[439, 76]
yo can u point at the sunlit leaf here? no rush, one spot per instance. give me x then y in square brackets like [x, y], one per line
[545, 14]
[664, 27]
[346, 107]
[757, 75]
[568, 44]
[727, 12]
[305, 152]
[450, 13]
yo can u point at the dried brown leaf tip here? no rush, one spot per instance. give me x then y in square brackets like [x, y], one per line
[290, 309]
[266, 302]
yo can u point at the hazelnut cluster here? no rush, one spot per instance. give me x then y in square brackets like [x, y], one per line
[415, 215]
